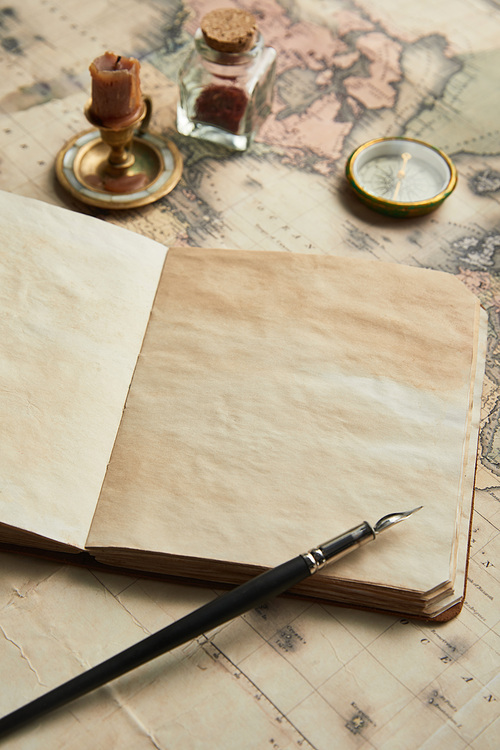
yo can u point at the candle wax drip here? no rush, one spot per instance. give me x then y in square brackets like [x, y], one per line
[124, 184]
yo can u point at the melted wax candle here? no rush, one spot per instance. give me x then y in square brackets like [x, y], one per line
[116, 90]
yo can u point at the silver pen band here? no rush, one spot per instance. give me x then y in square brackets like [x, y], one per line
[341, 545]
[315, 559]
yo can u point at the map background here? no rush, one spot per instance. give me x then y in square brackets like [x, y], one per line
[290, 674]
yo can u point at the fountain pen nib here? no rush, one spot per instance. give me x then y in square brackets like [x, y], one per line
[389, 520]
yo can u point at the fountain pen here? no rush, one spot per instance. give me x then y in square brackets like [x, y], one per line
[235, 602]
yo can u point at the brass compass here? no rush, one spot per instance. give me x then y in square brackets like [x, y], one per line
[401, 176]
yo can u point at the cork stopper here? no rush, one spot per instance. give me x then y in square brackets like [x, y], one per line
[229, 29]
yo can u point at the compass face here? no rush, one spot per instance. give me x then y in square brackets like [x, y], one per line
[391, 177]
[401, 176]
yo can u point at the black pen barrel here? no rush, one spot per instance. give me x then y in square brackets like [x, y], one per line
[231, 604]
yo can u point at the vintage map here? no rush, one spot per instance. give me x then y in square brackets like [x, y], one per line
[289, 674]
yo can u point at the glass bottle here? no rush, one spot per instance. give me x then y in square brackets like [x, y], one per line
[226, 83]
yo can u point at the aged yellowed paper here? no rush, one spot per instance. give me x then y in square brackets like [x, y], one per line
[75, 302]
[278, 399]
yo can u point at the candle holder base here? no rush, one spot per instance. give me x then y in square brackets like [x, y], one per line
[149, 170]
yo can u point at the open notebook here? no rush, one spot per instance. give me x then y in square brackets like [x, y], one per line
[211, 413]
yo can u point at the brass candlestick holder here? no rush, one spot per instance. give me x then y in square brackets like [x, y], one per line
[121, 156]
[124, 166]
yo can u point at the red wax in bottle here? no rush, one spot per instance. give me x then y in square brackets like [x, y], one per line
[222, 106]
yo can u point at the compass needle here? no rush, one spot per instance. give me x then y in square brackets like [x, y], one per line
[402, 172]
